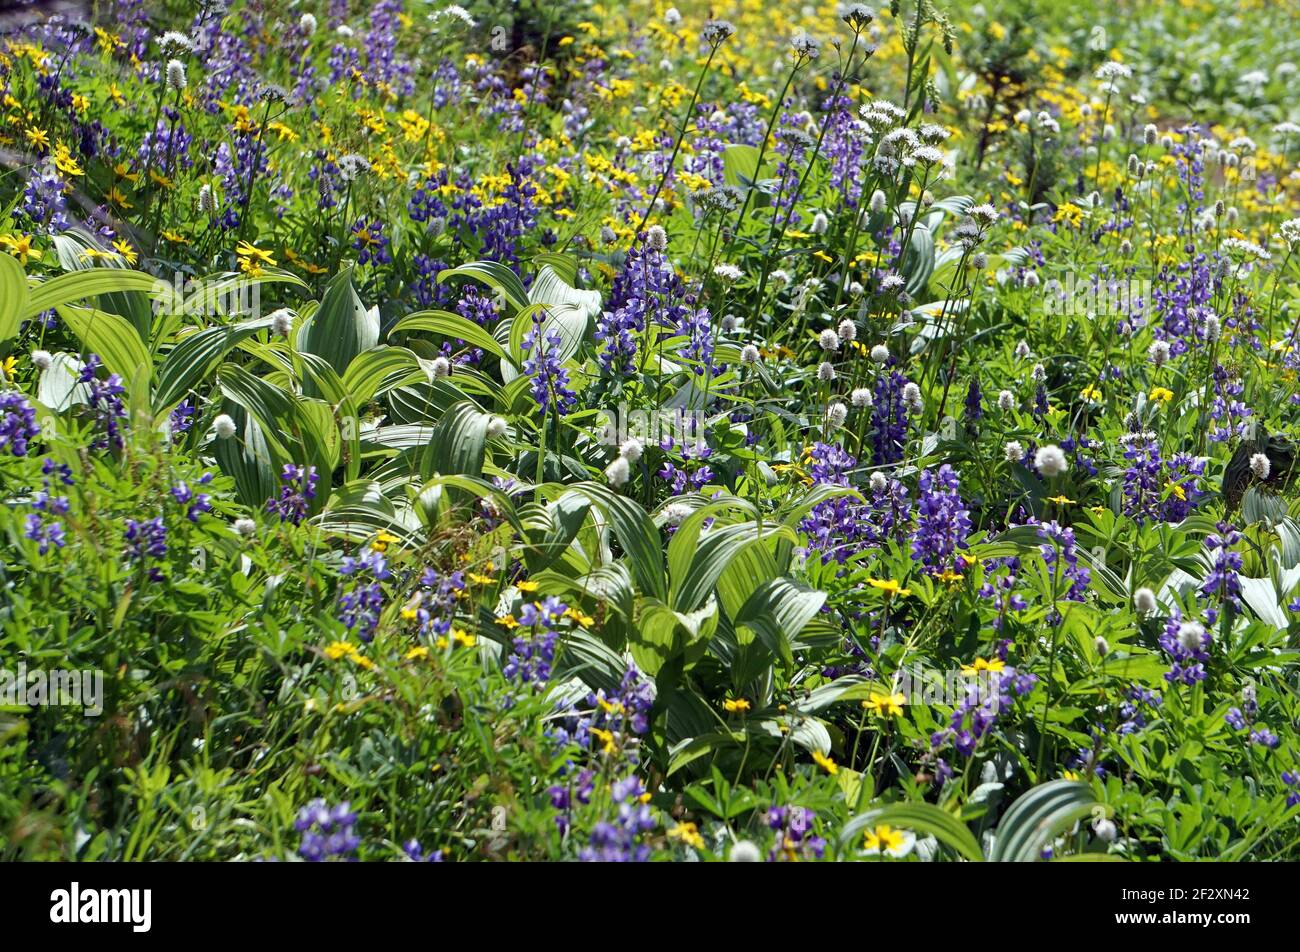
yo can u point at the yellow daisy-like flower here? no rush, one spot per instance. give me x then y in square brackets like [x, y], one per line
[1161, 395]
[252, 258]
[507, 622]
[126, 251]
[885, 839]
[605, 737]
[1090, 393]
[1061, 500]
[830, 766]
[527, 586]
[992, 665]
[688, 834]
[338, 650]
[890, 587]
[382, 541]
[417, 653]
[463, 638]
[8, 366]
[886, 705]
[736, 705]
[20, 246]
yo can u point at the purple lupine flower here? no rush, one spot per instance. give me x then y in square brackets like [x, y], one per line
[1061, 554]
[942, 521]
[533, 650]
[1187, 644]
[18, 425]
[106, 399]
[888, 416]
[296, 494]
[44, 534]
[361, 604]
[1222, 582]
[794, 834]
[147, 542]
[550, 378]
[327, 833]
[194, 503]
[619, 840]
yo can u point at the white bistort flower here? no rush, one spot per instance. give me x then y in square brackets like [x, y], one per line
[1050, 460]
[224, 426]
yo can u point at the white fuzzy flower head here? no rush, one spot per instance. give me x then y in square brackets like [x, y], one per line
[656, 239]
[631, 450]
[880, 354]
[1105, 830]
[1259, 465]
[744, 851]
[878, 202]
[281, 322]
[1022, 350]
[836, 414]
[207, 201]
[716, 32]
[727, 273]
[1006, 400]
[224, 426]
[860, 397]
[1102, 646]
[441, 367]
[41, 359]
[176, 81]
[912, 397]
[496, 427]
[245, 527]
[617, 472]
[174, 42]
[1159, 352]
[848, 331]
[829, 341]
[779, 279]
[1289, 231]
[1013, 452]
[1050, 460]
[729, 323]
[1191, 635]
[819, 224]
[1149, 133]
[675, 513]
[1144, 600]
[307, 23]
[878, 482]
[749, 354]
[672, 17]
[826, 372]
[1039, 373]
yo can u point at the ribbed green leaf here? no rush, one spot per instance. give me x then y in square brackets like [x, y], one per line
[1038, 817]
[111, 337]
[13, 296]
[494, 275]
[918, 818]
[341, 327]
[195, 357]
[454, 326]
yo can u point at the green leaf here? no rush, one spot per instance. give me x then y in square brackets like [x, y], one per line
[453, 326]
[13, 296]
[777, 612]
[918, 817]
[635, 533]
[494, 275]
[379, 370]
[75, 285]
[1038, 817]
[111, 337]
[458, 441]
[195, 357]
[341, 327]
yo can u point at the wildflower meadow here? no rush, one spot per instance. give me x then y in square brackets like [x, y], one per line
[588, 431]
